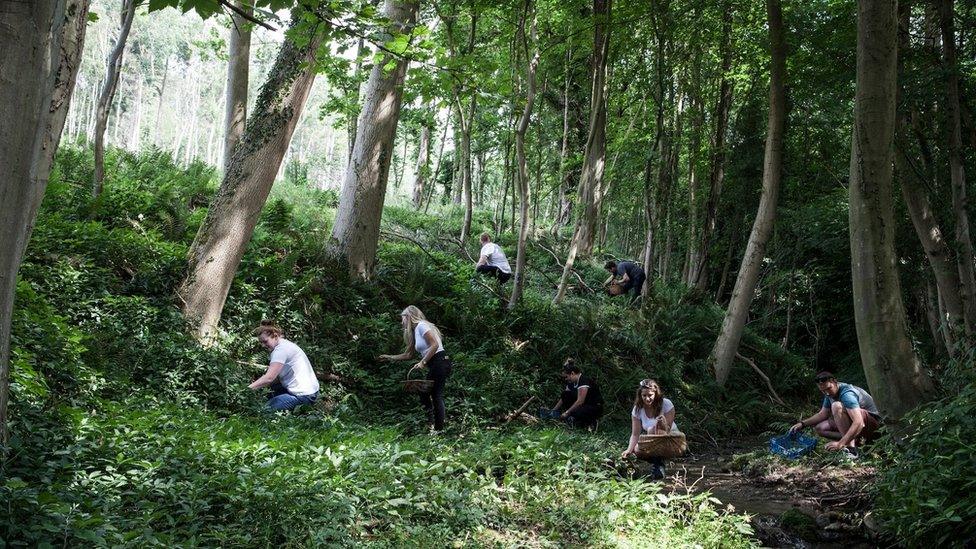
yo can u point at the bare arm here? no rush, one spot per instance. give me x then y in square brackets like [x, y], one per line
[482, 260]
[664, 422]
[635, 430]
[433, 343]
[269, 376]
[857, 424]
[580, 397]
[402, 356]
[810, 421]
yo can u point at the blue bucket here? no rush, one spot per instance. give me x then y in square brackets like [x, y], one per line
[792, 445]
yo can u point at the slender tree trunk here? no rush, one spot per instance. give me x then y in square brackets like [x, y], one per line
[466, 121]
[352, 120]
[957, 172]
[594, 160]
[161, 89]
[113, 66]
[727, 344]
[41, 43]
[893, 372]
[423, 166]
[564, 206]
[238, 64]
[717, 174]
[135, 134]
[523, 174]
[222, 239]
[356, 231]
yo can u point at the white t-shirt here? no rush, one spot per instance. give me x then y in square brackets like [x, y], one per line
[496, 257]
[296, 375]
[650, 423]
[419, 343]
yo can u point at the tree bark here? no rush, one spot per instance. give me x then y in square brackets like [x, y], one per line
[423, 166]
[222, 239]
[523, 174]
[564, 205]
[594, 159]
[717, 174]
[113, 66]
[727, 344]
[42, 43]
[238, 64]
[893, 372]
[355, 234]
[957, 172]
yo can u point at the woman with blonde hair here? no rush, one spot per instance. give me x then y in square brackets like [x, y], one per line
[652, 414]
[422, 336]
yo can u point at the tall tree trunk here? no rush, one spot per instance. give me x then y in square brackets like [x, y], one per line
[222, 239]
[423, 166]
[894, 374]
[41, 43]
[717, 175]
[158, 124]
[564, 205]
[594, 159]
[466, 121]
[238, 64]
[353, 118]
[355, 233]
[523, 174]
[135, 134]
[113, 66]
[727, 344]
[964, 243]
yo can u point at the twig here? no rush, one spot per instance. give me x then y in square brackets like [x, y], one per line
[769, 384]
[245, 15]
[521, 409]
[408, 239]
[561, 266]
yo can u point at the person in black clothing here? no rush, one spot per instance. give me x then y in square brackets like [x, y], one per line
[580, 403]
[631, 275]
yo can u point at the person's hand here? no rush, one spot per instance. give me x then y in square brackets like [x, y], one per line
[385, 358]
[564, 415]
[797, 427]
[419, 365]
[834, 446]
[626, 454]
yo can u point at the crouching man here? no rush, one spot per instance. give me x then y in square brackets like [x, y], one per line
[848, 415]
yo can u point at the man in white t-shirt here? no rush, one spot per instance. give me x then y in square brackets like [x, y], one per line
[493, 261]
[289, 373]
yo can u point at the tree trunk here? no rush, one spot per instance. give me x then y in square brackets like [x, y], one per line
[353, 118]
[355, 234]
[591, 181]
[727, 344]
[423, 166]
[964, 243]
[717, 175]
[893, 372]
[238, 63]
[135, 134]
[222, 239]
[523, 174]
[41, 43]
[564, 205]
[161, 89]
[466, 123]
[113, 66]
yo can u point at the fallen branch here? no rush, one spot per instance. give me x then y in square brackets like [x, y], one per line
[518, 412]
[561, 266]
[765, 378]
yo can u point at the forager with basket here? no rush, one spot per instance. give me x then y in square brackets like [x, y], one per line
[654, 434]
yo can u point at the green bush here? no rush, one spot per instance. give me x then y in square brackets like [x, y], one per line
[924, 492]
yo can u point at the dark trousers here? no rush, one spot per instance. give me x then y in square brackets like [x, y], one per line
[494, 271]
[584, 415]
[635, 284]
[438, 369]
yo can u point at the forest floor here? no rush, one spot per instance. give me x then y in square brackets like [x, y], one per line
[815, 502]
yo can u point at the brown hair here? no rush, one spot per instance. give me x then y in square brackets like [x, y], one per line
[267, 327]
[658, 402]
[485, 237]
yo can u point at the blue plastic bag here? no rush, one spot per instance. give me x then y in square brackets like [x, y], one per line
[792, 445]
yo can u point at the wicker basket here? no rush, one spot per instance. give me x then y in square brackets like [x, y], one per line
[417, 385]
[615, 289]
[670, 445]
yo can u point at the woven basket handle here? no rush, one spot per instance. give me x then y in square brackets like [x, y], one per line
[412, 368]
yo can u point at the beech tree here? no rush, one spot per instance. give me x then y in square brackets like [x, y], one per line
[356, 231]
[238, 64]
[727, 344]
[42, 43]
[894, 374]
[113, 66]
[222, 239]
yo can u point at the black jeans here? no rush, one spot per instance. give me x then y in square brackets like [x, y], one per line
[494, 271]
[438, 369]
[584, 415]
[636, 284]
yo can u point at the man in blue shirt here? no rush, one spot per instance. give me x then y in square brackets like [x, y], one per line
[631, 276]
[848, 414]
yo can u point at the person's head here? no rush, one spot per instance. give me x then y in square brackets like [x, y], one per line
[649, 396]
[611, 266]
[485, 238]
[571, 370]
[827, 383]
[268, 334]
[409, 318]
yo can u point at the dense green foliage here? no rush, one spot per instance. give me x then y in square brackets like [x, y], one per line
[126, 431]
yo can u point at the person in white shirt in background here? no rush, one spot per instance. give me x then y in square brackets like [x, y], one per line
[652, 414]
[422, 336]
[493, 261]
[289, 373]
